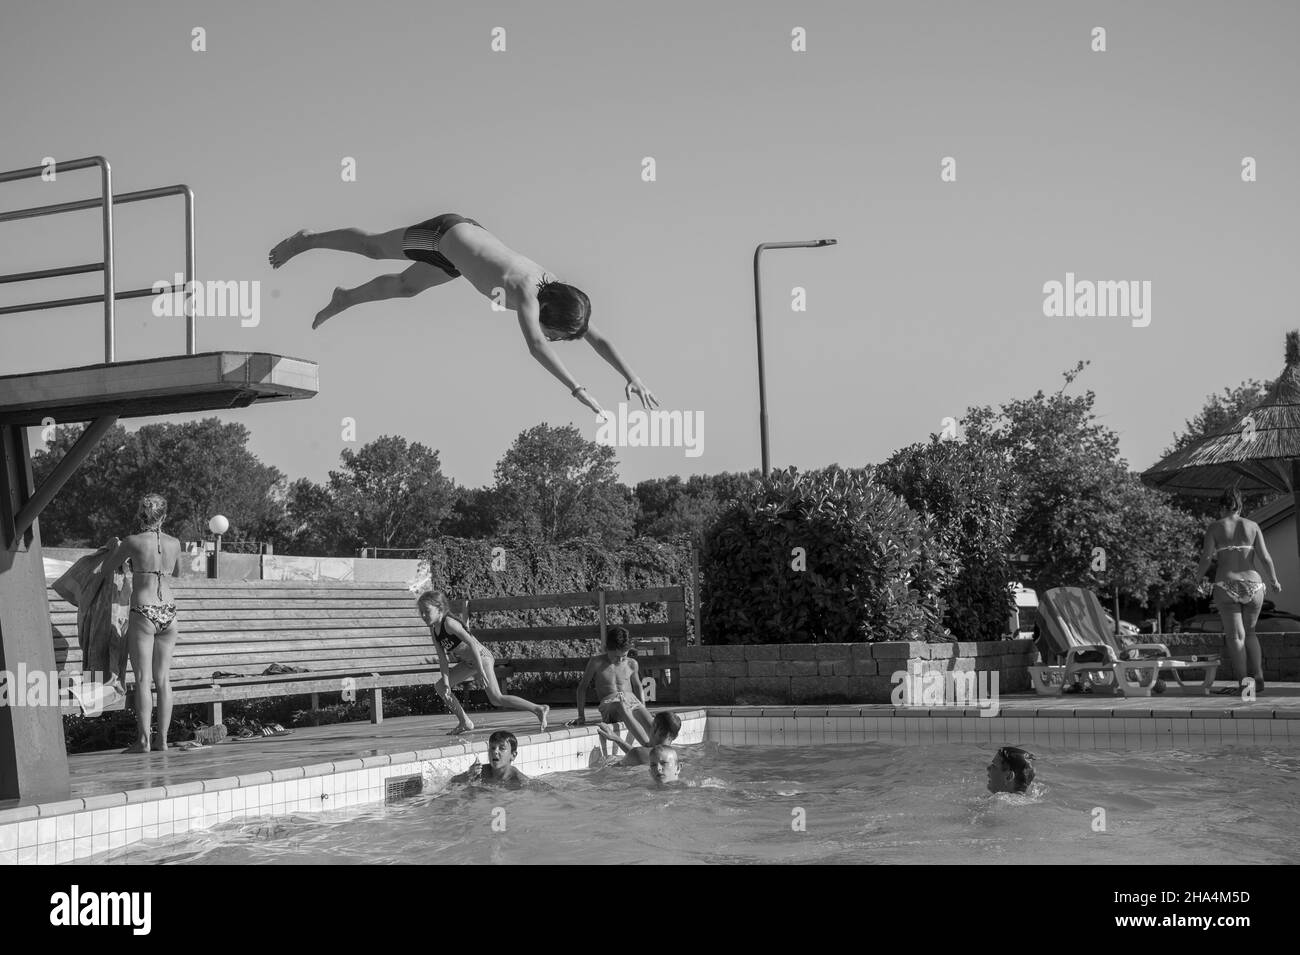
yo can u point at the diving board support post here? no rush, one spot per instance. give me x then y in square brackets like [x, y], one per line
[33, 757]
[75, 457]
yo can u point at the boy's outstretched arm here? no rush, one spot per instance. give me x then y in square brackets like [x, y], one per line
[540, 348]
[614, 738]
[606, 350]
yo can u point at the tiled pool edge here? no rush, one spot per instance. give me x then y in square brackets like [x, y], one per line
[80, 830]
[1089, 728]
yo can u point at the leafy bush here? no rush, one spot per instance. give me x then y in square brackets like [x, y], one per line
[971, 493]
[873, 570]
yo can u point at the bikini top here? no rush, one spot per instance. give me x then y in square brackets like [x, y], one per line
[158, 573]
[449, 641]
[1244, 548]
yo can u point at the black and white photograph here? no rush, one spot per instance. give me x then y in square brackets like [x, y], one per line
[592, 432]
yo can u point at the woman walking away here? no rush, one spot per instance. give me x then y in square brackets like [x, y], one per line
[151, 635]
[1237, 544]
[461, 657]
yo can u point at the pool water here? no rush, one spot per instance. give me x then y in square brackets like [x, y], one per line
[876, 802]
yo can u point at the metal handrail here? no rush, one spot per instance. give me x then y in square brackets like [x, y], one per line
[111, 295]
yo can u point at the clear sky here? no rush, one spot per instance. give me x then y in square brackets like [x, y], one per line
[1122, 165]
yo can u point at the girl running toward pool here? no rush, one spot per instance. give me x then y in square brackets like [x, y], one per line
[472, 659]
[448, 246]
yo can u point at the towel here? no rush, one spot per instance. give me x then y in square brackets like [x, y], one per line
[102, 618]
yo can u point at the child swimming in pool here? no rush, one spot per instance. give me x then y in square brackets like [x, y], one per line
[618, 685]
[500, 770]
[1011, 771]
[454, 642]
[449, 246]
[663, 731]
[664, 765]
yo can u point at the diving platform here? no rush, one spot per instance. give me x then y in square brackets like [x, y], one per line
[33, 760]
[210, 381]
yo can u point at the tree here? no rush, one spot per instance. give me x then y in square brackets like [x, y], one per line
[388, 494]
[475, 515]
[972, 494]
[201, 467]
[311, 526]
[830, 556]
[1084, 519]
[1220, 412]
[555, 485]
[669, 507]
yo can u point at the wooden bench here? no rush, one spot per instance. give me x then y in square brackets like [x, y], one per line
[353, 637]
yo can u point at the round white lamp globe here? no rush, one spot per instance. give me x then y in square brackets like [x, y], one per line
[218, 525]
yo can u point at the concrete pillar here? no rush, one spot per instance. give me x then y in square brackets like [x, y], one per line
[33, 757]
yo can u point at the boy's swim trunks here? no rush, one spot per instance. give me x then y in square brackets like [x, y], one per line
[420, 242]
[607, 705]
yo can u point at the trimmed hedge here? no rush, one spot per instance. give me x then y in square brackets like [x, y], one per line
[515, 566]
[970, 492]
[824, 557]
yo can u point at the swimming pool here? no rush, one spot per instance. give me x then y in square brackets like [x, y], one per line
[870, 802]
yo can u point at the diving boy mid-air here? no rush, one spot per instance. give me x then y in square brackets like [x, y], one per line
[449, 246]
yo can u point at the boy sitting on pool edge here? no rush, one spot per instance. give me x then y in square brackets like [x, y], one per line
[618, 685]
[663, 731]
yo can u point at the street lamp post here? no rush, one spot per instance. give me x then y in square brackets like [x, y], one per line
[758, 322]
[218, 525]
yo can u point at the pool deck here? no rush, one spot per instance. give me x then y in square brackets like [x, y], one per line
[112, 777]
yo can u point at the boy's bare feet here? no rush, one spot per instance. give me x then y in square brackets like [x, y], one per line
[462, 729]
[159, 744]
[543, 716]
[139, 746]
[336, 305]
[288, 248]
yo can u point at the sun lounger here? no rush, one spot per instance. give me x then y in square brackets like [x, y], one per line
[1077, 631]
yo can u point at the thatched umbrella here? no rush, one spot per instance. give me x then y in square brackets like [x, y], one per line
[1258, 452]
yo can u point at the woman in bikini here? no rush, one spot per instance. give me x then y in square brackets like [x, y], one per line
[1237, 544]
[455, 643]
[151, 635]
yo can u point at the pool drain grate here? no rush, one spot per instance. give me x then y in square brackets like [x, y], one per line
[403, 787]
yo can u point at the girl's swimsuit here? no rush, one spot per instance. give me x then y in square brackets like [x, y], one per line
[1239, 590]
[420, 242]
[161, 615]
[451, 643]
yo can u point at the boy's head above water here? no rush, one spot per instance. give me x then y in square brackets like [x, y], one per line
[564, 311]
[665, 728]
[1011, 771]
[663, 764]
[502, 747]
[617, 643]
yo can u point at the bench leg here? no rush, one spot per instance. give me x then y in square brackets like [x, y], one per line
[376, 705]
[214, 713]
